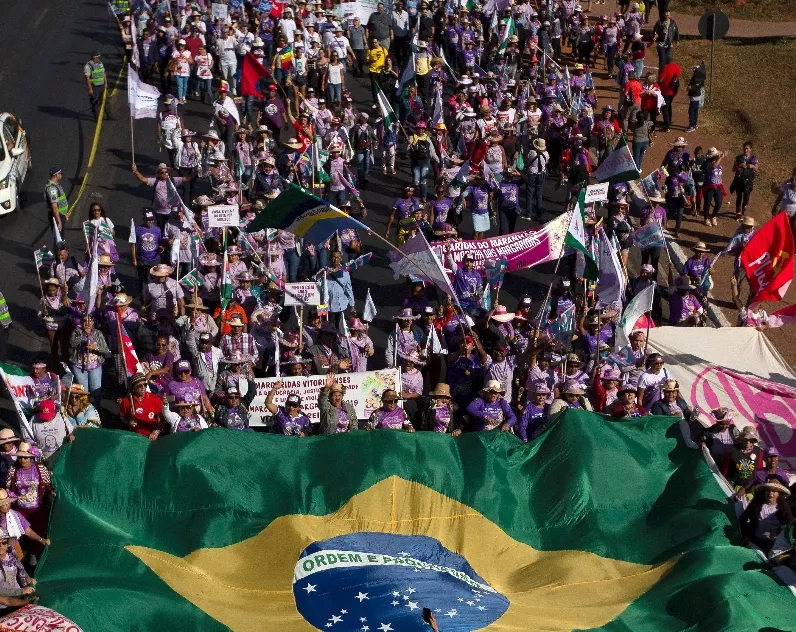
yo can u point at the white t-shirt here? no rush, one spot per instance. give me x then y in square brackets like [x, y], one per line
[340, 45]
[288, 29]
[335, 74]
[651, 383]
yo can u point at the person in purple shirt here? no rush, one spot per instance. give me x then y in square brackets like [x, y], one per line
[417, 299]
[684, 307]
[771, 472]
[467, 283]
[146, 248]
[390, 416]
[288, 419]
[698, 264]
[489, 410]
[185, 387]
[534, 415]
[273, 111]
[479, 206]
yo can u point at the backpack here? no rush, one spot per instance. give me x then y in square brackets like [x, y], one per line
[420, 151]
[674, 84]
[362, 139]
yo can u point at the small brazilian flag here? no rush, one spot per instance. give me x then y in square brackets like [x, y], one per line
[598, 524]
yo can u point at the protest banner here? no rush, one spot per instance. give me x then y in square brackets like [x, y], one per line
[520, 250]
[221, 215]
[757, 384]
[219, 11]
[302, 294]
[596, 193]
[363, 392]
[361, 10]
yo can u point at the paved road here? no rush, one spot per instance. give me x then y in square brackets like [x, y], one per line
[50, 96]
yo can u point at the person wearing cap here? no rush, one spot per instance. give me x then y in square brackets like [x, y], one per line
[736, 245]
[8, 449]
[535, 173]
[490, 411]
[390, 416]
[49, 428]
[79, 411]
[436, 412]
[467, 282]
[337, 414]
[185, 386]
[534, 417]
[55, 197]
[142, 410]
[770, 473]
[742, 460]
[146, 246]
[288, 419]
[767, 516]
[328, 354]
[182, 61]
[96, 81]
[233, 413]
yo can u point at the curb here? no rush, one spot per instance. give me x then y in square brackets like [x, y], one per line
[678, 258]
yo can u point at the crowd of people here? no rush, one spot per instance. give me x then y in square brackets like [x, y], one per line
[487, 112]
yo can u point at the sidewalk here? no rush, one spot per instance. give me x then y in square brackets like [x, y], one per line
[745, 30]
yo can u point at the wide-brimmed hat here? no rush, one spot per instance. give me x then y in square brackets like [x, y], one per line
[720, 414]
[51, 281]
[212, 134]
[700, 247]
[389, 396]
[746, 220]
[612, 374]
[357, 325]
[104, 260]
[6, 498]
[573, 358]
[712, 152]
[236, 357]
[441, 390]
[405, 314]
[493, 386]
[161, 270]
[670, 386]
[245, 276]
[680, 141]
[209, 259]
[203, 200]
[749, 432]
[78, 389]
[502, 315]
[120, 300]
[540, 144]
[540, 389]
[196, 303]
[295, 359]
[235, 321]
[7, 436]
[26, 449]
[413, 357]
[293, 144]
[572, 387]
[773, 486]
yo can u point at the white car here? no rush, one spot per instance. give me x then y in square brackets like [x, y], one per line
[14, 162]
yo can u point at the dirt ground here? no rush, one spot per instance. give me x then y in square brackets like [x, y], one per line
[750, 101]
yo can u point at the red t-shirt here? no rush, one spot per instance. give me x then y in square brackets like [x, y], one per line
[633, 91]
[147, 413]
[668, 72]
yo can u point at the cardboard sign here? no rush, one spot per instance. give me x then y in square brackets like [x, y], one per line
[363, 392]
[302, 293]
[596, 193]
[219, 11]
[223, 215]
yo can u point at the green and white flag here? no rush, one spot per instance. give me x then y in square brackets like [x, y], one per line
[386, 109]
[576, 237]
[192, 280]
[618, 166]
[511, 27]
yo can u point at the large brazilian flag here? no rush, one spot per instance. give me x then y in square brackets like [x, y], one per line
[597, 525]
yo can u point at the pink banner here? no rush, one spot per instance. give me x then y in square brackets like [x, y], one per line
[767, 405]
[522, 250]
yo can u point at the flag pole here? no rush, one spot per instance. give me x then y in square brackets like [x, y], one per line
[132, 138]
[124, 358]
[301, 329]
[41, 287]
[550, 287]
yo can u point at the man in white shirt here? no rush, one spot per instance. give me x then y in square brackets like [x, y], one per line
[227, 58]
[287, 26]
[400, 34]
[340, 45]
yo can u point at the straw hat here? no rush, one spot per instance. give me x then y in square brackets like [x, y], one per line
[441, 391]
[680, 141]
[121, 299]
[209, 259]
[161, 270]
[293, 144]
[78, 389]
[51, 281]
[773, 486]
[413, 357]
[712, 153]
[196, 304]
[25, 449]
[748, 221]
[669, 386]
[105, 260]
[493, 386]
[5, 499]
[571, 387]
[389, 396]
[700, 247]
[502, 315]
[540, 144]
[235, 321]
[7, 436]
[405, 314]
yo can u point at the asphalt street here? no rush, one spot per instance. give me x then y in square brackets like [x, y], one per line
[41, 81]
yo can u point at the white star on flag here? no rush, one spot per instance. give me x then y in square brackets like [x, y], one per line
[395, 593]
[328, 625]
[451, 613]
[410, 590]
[412, 605]
[335, 619]
[470, 603]
[481, 608]
[362, 596]
[406, 597]
[310, 588]
[365, 628]
[363, 619]
[344, 612]
[460, 600]
[395, 603]
[437, 609]
[385, 627]
[403, 553]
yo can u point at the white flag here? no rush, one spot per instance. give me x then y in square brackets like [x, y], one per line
[142, 97]
[369, 313]
[56, 233]
[415, 258]
[134, 54]
[611, 283]
[641, 304]
[132, 238]
[91, 281]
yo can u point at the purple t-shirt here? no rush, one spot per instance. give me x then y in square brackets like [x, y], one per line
[696, 267]
[393, 419]
[442, 418]
[480, 200]
[286, 425]
[192, 390]
[441, 209]
[27, 483]
[343, 422]
[160, 197]
[147, 242]
[494, 412]
[403, 206]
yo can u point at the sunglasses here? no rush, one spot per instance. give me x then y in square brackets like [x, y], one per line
[292, 405]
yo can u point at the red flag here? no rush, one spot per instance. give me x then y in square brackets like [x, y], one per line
[782, 317]
[277, 9]
[130, 357]
[251, 73]
[768, 259]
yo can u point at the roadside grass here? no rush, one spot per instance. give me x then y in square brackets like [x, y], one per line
[760, 10]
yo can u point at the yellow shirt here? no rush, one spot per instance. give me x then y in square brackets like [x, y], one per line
[422, 64]
[374, 58]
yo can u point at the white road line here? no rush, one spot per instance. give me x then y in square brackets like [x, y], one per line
[38, 20]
